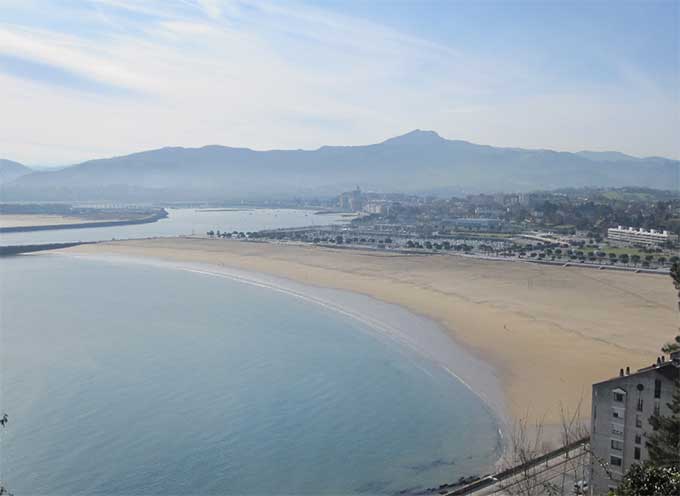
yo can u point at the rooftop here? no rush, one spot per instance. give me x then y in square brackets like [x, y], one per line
[669, 368]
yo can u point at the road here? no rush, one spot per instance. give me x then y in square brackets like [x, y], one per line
[556, 476]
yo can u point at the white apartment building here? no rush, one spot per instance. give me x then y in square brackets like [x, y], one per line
[640, 236]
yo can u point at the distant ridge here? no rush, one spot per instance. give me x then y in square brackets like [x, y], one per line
[419, 161]
[10, 170]
[606, 156]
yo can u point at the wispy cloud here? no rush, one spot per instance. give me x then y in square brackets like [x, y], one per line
[132, 74]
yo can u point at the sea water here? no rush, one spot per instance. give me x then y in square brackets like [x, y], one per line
[133, 379]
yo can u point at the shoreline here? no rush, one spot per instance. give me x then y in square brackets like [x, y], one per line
[548, 332]
[393, 322]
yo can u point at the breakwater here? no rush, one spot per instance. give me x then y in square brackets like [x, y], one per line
[8, 251]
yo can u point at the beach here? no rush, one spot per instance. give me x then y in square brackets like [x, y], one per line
[31, 220]
[547, 332]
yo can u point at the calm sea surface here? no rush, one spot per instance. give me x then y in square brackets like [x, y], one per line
[131, 379]
[180, 222]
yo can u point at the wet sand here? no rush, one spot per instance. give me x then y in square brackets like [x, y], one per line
[548, 332]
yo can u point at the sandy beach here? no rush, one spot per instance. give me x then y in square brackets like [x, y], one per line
[28, 220]
[548, 332]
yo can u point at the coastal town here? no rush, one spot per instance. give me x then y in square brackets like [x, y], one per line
[418, 241]
[625, 229]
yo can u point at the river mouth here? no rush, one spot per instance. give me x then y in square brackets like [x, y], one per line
[192, 379]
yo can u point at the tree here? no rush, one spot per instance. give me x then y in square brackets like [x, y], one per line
[664, 442]
[526, 446]
[649, 480]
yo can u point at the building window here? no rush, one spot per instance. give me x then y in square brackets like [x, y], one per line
[638, 421]
[656, 408]
[618, 414]
[617, 445]
[618, 397]
[615, 461]
[657, 388]
[638, 439]
[617, 430]
[639, 405]
[636, 453]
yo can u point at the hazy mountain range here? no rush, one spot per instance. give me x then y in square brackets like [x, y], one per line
[418, 162]
[9, 170]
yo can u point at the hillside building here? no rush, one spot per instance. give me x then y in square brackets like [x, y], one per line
[621, 408]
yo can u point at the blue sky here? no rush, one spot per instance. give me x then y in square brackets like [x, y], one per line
[91, 78]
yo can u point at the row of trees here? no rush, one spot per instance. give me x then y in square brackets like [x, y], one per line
[225, 234]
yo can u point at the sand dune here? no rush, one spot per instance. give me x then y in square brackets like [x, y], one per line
[549, 332]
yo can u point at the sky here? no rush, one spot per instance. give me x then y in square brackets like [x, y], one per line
[83, 79]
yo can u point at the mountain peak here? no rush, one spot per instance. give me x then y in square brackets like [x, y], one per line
[415, 137]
